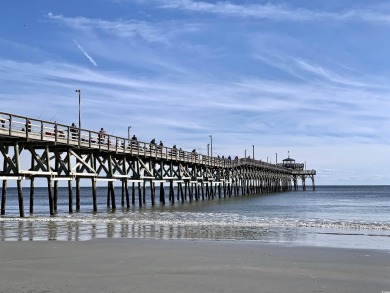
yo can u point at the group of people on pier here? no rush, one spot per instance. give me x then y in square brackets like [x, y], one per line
[102, 138]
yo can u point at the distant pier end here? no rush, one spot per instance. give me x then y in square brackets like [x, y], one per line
[298, 171]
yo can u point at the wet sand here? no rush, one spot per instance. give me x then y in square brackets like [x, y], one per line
[142, 265]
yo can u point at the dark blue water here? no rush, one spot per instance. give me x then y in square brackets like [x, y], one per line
[333, 216]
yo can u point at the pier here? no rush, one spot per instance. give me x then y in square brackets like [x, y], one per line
[33, 148]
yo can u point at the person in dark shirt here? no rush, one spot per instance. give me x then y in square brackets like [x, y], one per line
[74, 131]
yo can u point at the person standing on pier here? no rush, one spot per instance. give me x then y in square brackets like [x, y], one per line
[153, 144]
[74, 131]
[28, 125]
[102, 135]
[134, 142]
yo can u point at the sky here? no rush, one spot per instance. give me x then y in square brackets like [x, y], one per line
[307, 77]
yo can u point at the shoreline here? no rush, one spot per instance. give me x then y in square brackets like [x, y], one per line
[70, 229]
[159, 265]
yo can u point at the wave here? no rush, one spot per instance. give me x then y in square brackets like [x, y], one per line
[222, 222]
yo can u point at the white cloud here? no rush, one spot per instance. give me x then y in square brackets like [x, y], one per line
[275, 12]
[120, 28]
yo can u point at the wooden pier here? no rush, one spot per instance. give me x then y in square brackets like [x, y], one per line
[60, 152]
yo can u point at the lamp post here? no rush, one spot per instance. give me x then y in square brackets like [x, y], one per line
[276, 157]
[208, 149]
[267, 159]
[211, 145]
[78, 91]
[253, 153]
[128, 132]
[245, 154]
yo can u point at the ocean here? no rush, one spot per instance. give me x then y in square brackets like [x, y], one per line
[330, 216]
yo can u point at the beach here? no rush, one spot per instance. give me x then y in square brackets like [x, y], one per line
[153, 265]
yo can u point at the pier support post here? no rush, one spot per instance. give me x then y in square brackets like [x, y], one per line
[31, 194]
[152, 192]
[3, 197]
[20, 197]
[70, 197]
[190, 190]
[139, 195]
[55, 198]
[50, 196]
[133, 194]
[162, 193]
[112, 189]
[180, 187]
[144, 193]
[77, 194]
[171, 192]
[123, 193]
[177, 192]
[94, 201]
[108, 195]
[185, 189]
[196, 191]
[127, 194]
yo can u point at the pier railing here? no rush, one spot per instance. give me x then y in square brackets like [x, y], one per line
[32, 129]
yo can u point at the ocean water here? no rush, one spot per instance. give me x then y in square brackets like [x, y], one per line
[331, 216]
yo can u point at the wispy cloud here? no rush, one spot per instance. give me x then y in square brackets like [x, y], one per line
[312, 109]
[120, 28]
[305, 70]
[85, 53]
[275, 12]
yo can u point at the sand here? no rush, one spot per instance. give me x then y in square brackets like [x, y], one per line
[142, 265]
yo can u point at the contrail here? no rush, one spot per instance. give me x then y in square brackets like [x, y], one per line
[85, 53]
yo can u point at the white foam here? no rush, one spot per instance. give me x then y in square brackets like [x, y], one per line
[223, 222]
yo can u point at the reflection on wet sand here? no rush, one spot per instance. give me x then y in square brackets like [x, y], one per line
[79, 231]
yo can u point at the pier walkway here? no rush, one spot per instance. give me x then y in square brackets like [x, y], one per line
[62, 152]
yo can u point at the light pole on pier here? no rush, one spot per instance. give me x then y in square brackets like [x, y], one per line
[211, 145]
[128, 132]
[253, 153]
[245, 154]
[208, 149]
[78, 91]
[276, 157]
[267, 159]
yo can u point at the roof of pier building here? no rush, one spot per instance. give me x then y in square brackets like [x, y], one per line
[290, 163]
[289, 160]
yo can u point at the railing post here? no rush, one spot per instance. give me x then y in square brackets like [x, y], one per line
[41, 130]
[55, 132]
[26, 127]
[10, 125]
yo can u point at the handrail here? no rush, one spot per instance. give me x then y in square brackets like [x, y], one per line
[36, 129]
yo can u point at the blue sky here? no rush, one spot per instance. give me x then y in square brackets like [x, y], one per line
[309, 77]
